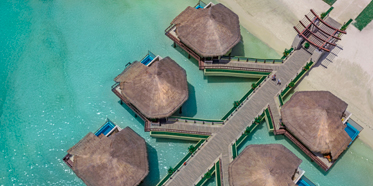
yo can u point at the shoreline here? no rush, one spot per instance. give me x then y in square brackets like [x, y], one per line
[349, 76]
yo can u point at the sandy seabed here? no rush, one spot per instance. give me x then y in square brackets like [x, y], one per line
[349, 76]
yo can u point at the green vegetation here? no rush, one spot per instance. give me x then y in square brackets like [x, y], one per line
[171, 170]
[291, 84]
[307, 45]
[344, 27]
[253, 86]
[330, 2]
[286, 53]
[236, 104]
[207, 175]
[324, 14]
[365, 17]
[191, 148]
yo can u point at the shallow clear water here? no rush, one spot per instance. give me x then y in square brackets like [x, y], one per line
[57, 63]
[354, 167]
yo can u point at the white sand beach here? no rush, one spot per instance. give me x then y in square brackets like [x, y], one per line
[349, 76]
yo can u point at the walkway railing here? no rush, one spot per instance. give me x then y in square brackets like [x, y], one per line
[216, 168]
[244, 98]
[248, 59]
[196, 120]
[183, 161]
[245, 134]
[294, 82]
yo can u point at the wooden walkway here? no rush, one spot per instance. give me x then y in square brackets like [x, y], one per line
[220, 142]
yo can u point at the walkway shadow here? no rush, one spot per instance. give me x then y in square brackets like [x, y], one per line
[153, 176]
[186, 55]
[129, 110]
[189, 108]
[239, 49]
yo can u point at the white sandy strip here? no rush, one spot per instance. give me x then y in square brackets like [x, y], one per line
[272, 21]
[349, 77]
[348, 9]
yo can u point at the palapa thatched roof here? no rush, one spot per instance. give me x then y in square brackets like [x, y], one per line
[120, 159]
[210, 32]
[314, 117]
[158, 90]
[264, 165]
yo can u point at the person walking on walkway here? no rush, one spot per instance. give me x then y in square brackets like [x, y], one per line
[274, 77]
[278, 81]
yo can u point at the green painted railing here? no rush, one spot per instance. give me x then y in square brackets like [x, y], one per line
[181, 162]
[204, 179]
[196, 119]
[248, 59]
[244, 97]
[217, 173]
[179, 134]
[269, 120]
[295, 81]
[242, 138]
[280, 99]
[237, 71]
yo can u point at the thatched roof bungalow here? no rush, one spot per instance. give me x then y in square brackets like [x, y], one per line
[158, 90]
[315, 118]
[120, 159]
[210, 32]
[271, 164]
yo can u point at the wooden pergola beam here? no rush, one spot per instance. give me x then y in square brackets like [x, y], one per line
[324, 41]
[327, 23]
[322, 29]
[301, 34]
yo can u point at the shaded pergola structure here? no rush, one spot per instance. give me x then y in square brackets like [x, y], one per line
[322, 34]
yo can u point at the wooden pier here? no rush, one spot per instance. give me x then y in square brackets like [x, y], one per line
[221, 141]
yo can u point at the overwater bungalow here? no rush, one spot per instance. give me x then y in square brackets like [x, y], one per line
[271, 164]
[154, 91]
[206, 32]
[315, 118]
[120, 159]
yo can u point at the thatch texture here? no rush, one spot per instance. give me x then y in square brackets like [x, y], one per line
[209, 32]
[314, 117]
[120, 159]
[158, 90]
[264, 165]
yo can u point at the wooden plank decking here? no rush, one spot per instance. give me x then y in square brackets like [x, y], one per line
[220, 142]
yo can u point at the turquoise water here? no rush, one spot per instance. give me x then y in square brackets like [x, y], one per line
[354, 167]
[57, 64]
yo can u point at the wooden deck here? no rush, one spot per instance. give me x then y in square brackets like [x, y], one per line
[221, 141]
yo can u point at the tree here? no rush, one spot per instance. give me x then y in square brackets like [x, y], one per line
[171, 170]
[307, 45]
[253, 86]
[191, 149]
[291, 84]
[236, 104]
[207, 175]
[257, 120]
[247, 131]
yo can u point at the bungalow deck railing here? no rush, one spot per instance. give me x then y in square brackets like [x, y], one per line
[183, 46]
[306, 151]
[254, 60]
